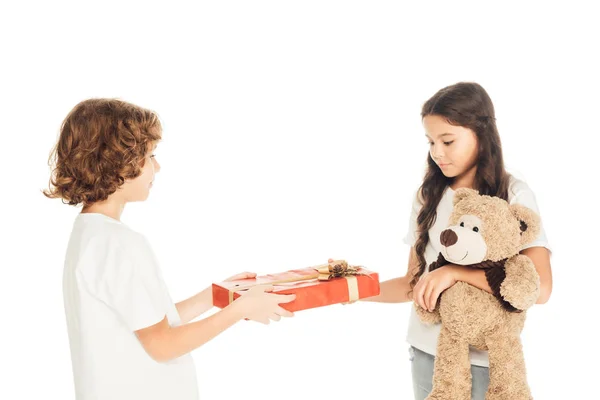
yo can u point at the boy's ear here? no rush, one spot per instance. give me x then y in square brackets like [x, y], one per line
[464, 193]
[530, 222]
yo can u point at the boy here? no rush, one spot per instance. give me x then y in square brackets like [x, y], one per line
[128, 339]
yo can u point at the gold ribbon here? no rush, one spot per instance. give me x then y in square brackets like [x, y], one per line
[352, 288]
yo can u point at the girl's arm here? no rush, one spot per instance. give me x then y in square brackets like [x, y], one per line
[434, 283]
[538, 255]
[541, 259]
[396, 290]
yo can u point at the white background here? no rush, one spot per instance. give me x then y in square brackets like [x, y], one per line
[292, 134]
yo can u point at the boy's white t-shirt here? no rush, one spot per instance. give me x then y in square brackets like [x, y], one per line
[423, 336]
[112, 287]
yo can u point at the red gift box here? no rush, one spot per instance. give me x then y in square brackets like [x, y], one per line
[311, 288]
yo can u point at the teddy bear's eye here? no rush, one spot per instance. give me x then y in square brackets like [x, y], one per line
[475, 229]
[462, 224]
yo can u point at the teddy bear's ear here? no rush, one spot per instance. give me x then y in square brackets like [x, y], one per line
[530, 222]
[464, 193]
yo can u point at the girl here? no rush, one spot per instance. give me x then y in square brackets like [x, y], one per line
[464, 151]
[128, 339]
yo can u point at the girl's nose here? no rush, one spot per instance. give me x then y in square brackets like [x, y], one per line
[437, 152]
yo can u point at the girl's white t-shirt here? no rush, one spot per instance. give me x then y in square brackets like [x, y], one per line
[423, 336]
[113, 286]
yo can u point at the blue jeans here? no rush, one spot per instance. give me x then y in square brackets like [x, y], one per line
[422, 374]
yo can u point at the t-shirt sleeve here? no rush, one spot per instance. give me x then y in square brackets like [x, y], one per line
[411, 235]
[526, 197]
[127, 278]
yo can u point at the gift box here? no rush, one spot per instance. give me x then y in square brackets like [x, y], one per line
[317, 286]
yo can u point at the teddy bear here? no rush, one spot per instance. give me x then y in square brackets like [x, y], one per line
[484, 232]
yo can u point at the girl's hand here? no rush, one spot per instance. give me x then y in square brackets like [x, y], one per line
[243, 275]
[432, 284]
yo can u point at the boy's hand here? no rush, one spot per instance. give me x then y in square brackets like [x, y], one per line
[243, 275]
[260, 305]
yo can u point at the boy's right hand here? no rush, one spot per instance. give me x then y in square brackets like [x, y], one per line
[260, 305]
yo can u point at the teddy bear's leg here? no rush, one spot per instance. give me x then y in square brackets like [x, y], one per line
[452, 369]
[508, 380]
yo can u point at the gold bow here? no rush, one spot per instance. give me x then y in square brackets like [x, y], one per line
[337, 269]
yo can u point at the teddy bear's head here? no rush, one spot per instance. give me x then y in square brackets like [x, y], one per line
[486, 228]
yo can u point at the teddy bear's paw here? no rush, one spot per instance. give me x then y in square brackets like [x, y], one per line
[427, 317]
[438, 395]
[508, 397]
[497, 393]
[521, 287]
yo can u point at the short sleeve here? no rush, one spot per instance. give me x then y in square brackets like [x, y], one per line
[411, 234]
[525, 196]
[127, 278]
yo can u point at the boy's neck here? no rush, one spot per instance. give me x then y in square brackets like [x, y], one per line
[108, 208]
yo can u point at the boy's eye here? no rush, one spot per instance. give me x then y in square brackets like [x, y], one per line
[152, 156]
[449, 143]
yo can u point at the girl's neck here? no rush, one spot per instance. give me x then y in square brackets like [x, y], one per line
[465, 180]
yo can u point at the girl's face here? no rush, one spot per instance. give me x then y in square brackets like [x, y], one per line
[453, 148]
[138, 189]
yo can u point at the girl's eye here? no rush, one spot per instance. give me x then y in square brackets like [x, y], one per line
[152, 156]
[475, 229]
[448, 143]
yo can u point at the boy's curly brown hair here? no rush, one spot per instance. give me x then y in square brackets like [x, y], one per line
[102, 143]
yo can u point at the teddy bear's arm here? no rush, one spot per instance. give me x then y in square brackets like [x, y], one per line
[521, 287]
[516, 284]
[495, 277]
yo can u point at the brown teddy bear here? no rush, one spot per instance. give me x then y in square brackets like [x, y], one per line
[485, 232]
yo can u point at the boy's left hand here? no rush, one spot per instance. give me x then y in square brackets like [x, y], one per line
[243, 275]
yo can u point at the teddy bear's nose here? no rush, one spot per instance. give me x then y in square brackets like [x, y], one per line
[448, 237]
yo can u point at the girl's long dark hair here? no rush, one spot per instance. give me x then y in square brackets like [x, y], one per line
[464, 104]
